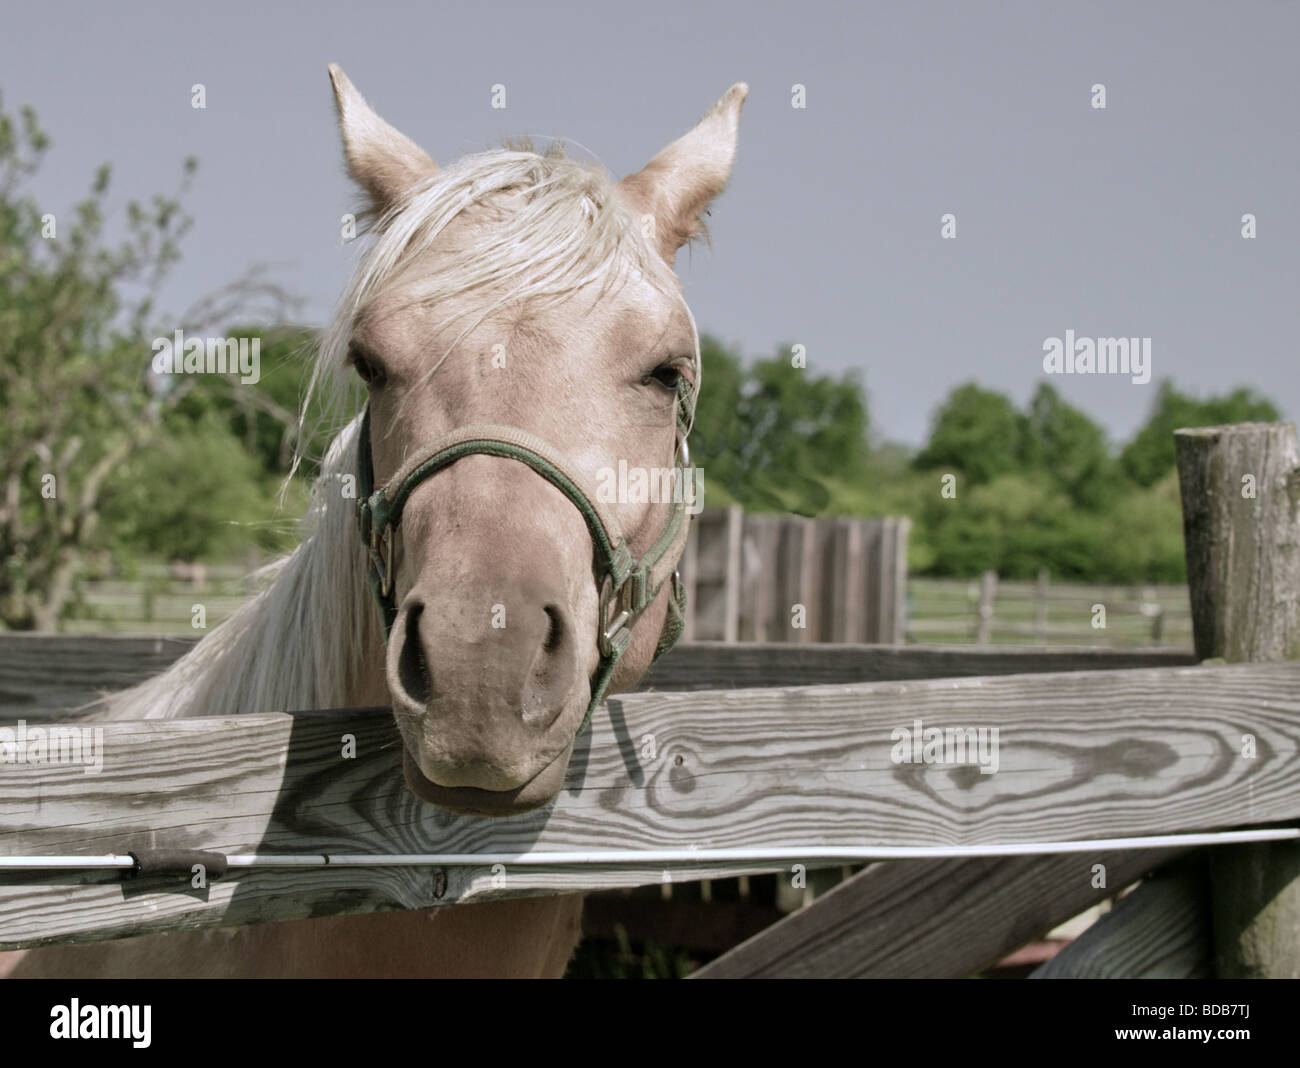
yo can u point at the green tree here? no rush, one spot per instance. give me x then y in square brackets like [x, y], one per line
[1150, 455]
[219, 508]
[1017, 524]
[1144, 536]
[777, 437]
[80, 408]
[976, 432]
[717, 436]
[263, 415]
[1013, 524]
[1070, 450]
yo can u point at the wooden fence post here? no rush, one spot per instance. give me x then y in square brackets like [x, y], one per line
[984, 611]
[902, 527]
[1040, 606]
[1152, 609]
[1241, 526]
[690, 571]
[731, 588]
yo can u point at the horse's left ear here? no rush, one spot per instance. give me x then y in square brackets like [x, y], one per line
[381, 159]
[677, 185]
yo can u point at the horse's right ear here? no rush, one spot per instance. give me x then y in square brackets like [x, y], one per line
[382, 160]
[677, 185]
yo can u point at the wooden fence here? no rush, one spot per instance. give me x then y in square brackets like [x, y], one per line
[160, 598]
[791, 752]
[991, 609]
[778, 578]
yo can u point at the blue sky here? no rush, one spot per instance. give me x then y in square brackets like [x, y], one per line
[1116, 222]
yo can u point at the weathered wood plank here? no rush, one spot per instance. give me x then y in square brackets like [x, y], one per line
[731, 583]
[873, 583]
[42, 674]
[806, 588]
[893, 605]
[1240, 488]
[1081, 755]
[930, 919]
[1161, 930]
[689, 571]
[713, 665]
[45, 674]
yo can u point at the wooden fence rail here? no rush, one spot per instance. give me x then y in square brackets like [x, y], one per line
[993, 608]
[1079, 756]
[47, 675]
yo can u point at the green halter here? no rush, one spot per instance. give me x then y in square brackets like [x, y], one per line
[628, 586]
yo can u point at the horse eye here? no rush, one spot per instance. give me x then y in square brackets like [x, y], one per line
[667, 376]
[368, 370]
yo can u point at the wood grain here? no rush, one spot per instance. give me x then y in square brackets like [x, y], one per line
[930, 919]
[1082, 755]
[1161, 930]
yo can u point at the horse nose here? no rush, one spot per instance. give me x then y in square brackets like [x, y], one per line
[483, 677]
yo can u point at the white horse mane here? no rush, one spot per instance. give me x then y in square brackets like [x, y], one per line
[295, 645]
[569, 232]
[298, 644]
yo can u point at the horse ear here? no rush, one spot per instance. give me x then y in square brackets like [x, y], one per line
[677, 185]
[382, 160]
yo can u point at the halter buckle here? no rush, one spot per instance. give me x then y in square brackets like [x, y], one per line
[619, 604]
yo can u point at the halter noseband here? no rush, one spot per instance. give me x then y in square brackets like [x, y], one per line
[628, 586]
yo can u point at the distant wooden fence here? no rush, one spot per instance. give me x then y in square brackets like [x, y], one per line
[160, 598]
[780, 578]
[991, 609]
[745, 573]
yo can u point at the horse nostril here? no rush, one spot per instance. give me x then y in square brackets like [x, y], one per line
[552, 672]
[412, 668]
[555, 630]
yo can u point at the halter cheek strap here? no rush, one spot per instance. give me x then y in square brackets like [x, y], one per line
[628, 585]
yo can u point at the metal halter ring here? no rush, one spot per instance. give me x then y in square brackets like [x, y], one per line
[683, 449]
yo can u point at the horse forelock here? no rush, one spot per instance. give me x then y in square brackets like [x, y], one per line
[565, 230]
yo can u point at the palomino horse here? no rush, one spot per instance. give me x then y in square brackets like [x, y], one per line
[531, 300]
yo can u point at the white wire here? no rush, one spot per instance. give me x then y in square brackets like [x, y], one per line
[644, 857]
[55, 863]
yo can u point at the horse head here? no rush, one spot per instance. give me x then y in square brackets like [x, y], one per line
[521, 335]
